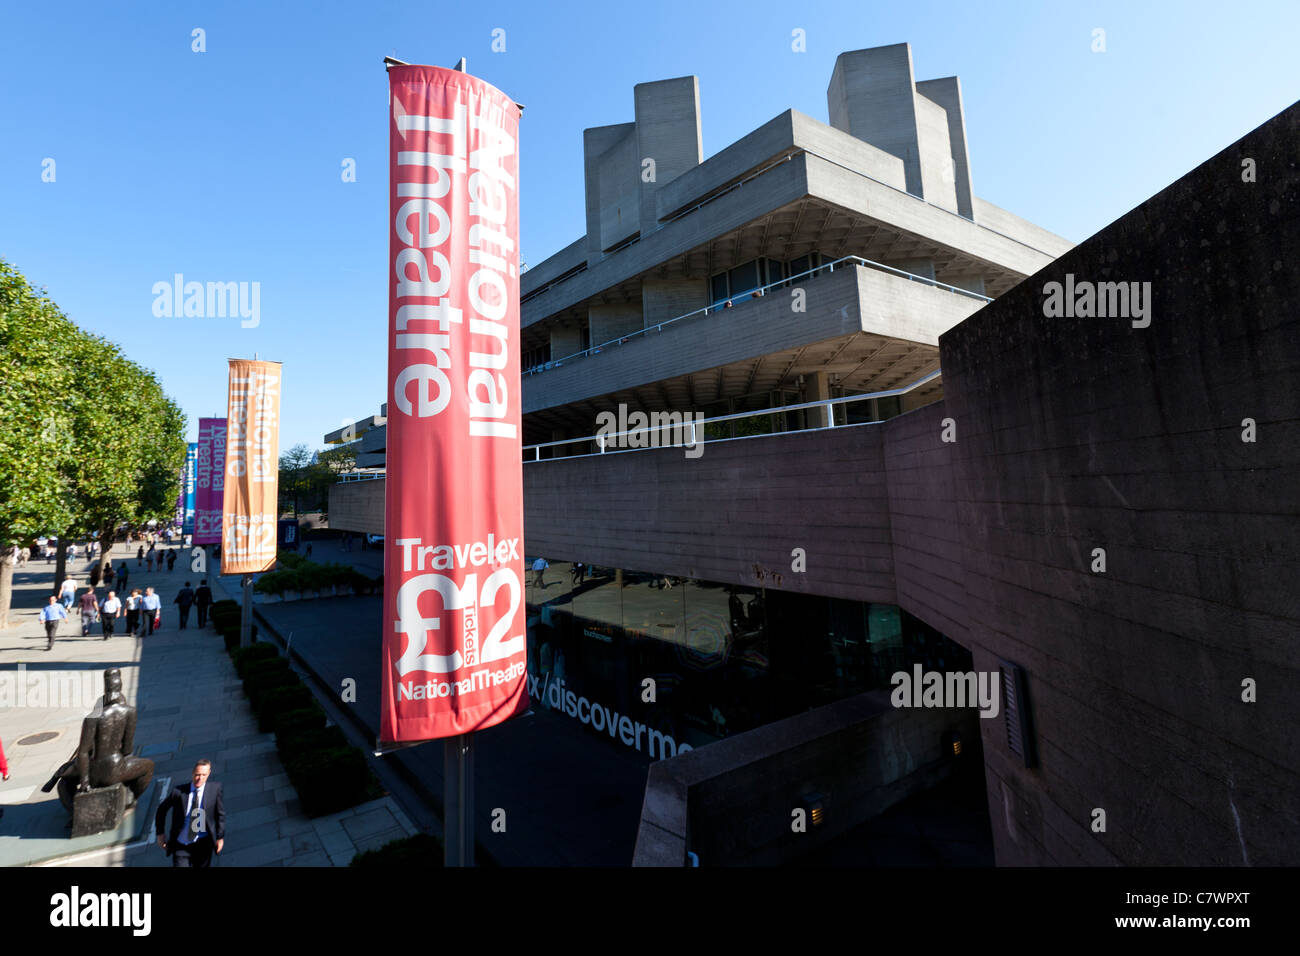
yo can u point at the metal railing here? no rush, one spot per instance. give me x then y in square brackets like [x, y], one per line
[360, 476]
[685, 423]
[755, 293]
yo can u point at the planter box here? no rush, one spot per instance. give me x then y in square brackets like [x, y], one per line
[292, 596]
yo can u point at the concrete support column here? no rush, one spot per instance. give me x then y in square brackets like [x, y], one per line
[818, 390]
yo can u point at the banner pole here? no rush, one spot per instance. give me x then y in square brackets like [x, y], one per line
[246, 615]
[458, 800]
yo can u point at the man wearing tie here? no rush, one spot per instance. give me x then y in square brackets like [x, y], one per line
[199, 822]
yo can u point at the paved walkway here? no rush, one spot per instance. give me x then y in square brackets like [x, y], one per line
[190, 704]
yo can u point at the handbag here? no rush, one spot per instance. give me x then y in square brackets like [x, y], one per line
[157, 620]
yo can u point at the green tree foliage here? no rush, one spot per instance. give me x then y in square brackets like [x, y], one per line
[88, 439]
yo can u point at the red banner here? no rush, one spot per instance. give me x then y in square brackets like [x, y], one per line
[454, 654]
[211, 481]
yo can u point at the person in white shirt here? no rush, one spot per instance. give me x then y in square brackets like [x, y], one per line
[68, 593]
[108, 613]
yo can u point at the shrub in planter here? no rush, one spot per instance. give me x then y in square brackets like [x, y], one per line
[244, 657]
[223, 622]
[294, 723]
[225, 604]
[293, 745]
[423, 851]
[257, 686]
[232, 637]
[330, 780]
[262, 666]
[280, 701]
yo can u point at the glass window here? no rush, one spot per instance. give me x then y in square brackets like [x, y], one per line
[719, 288]
[744, 278]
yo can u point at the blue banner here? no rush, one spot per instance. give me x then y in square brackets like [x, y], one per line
[191, 474]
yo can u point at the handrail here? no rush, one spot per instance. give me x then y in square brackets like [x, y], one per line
[754, 293]
[686, 422]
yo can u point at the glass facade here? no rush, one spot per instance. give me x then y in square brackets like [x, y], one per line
[661, 664]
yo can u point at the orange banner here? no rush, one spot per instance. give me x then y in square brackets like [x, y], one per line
[250, 506]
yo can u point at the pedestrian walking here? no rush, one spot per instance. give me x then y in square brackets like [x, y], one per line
[51, 615]
[151, 605]
[308, 553]
[68, 593]
[133, 602]
[24, 557]
[72, 551]
[139, 556]
[148, 562]
[171, 560]
[122, 573]
[539, 568]
[108, 613]
[203, 600]
[89, 609]
[185, 600]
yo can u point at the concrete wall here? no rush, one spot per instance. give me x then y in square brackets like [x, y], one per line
[850, 299]
[566, 339]
[937, 164]
[664, 299]
[358, 506]
[620, 196]
[731, 802]
[733, 515]
[946, 92]
[668, 132]
[610, 321]
[597, 144]
[1085, 433]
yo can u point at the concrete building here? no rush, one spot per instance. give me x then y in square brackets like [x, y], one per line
[899, 473]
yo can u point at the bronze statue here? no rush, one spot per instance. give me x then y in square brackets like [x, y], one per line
[104, 756]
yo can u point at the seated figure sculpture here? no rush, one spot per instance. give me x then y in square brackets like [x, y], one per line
[104, 756]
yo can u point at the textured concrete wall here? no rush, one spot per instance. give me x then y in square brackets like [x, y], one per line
[938, 177]
[664, 299]
[731, 803]
[851, 299]
[927, 549]
[596, 145]
[1082, 433]
[872, 96]
[620, 194]
[358, 506]
[733, 515]
[565, 340]
[946, 92]
[667, 132]
[610, 321]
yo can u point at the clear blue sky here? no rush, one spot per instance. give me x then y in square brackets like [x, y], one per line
[225, 165]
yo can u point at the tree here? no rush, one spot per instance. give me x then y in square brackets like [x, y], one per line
[88, 439]
[35, 379]
[294, 465]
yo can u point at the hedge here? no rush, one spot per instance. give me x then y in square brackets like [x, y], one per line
[329, 780]
[282, 700]
[294, 723]
[257, 687]
[422, 850]
[243, 657]
[232, 637]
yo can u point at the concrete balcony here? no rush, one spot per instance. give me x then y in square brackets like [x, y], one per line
[851, 300]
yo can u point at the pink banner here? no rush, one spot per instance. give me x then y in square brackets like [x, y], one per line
[454, 654]
[211, 474]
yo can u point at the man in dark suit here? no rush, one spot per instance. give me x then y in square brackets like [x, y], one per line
[198, 823]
